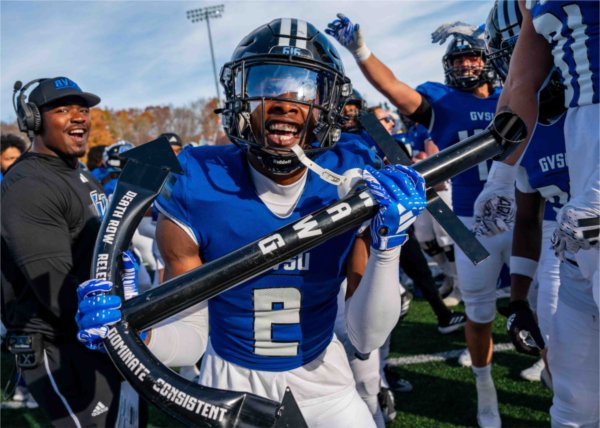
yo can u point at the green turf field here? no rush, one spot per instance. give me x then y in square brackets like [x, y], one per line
[443, 395]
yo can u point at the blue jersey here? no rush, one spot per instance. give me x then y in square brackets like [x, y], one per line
[99, 173]
[365, 137]
[403, 140]
[571, 28]
[417, 135]
[456, 116]
[110, 187]
[284, 318]
[546, 168]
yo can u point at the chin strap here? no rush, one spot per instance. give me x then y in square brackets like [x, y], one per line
[325, 174]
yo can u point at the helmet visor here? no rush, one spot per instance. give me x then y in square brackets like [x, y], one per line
[284, 82]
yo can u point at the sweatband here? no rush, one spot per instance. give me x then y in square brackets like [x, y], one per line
[523, 266]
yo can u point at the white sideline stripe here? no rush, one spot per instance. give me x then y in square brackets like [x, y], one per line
[63, 399]
[440, 356]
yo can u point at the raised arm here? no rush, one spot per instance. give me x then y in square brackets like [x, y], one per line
[349, 35]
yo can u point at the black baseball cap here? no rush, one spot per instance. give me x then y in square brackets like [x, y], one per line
[173, 138]
[50, 90]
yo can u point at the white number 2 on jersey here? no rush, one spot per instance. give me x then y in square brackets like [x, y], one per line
[275, 306]
[482, 167]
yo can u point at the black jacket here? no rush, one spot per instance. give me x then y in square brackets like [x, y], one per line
[51, 213]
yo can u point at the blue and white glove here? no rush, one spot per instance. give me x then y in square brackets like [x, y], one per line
[349, 36]
[578, 229]
[495, 209]
[97, 310]
[400, 192]
[467, 31]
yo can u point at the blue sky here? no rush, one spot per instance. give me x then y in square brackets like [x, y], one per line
[139, 53]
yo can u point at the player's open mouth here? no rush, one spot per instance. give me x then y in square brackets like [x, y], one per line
[77, 134]
[283, 134]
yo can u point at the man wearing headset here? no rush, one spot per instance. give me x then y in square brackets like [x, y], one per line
[52, 210]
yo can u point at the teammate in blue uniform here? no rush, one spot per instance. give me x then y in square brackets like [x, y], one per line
[113, 165]
[285, 90]
[564, 34]
[567, 313]
[418, 136]
[462, 106]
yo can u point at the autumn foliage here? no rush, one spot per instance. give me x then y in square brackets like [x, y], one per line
[195, 122]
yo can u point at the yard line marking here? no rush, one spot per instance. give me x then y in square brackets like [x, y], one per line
[440, 356]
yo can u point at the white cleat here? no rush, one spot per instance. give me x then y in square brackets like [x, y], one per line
[533, 373]
[464, 359]
[488, 415]
[454, 298]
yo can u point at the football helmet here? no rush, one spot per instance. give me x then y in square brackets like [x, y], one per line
[287, 60]
[112, 155]
[354, 104]
[357, 99]
[466, 78]
[501, 33]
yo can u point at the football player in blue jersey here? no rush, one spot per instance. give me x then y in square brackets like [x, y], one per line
[564, 34]
[567, 316]
[354, 104]
[114, 165]
[285, 88]
[461, 107]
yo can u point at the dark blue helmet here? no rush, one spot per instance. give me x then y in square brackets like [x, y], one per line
[501, 33]
[466, 79]
[112, 155]
[357, 99]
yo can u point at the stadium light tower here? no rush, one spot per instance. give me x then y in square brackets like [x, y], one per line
[205, 14]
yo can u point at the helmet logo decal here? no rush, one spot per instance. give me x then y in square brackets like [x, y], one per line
[293, 32]
[291, 50]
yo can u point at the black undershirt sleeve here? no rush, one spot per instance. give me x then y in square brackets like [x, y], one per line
[423, 113]
[38, 238]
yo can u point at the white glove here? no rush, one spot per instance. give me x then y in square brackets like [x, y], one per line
[349, 36]
[467, 31]
[495, 208]
[578, 229]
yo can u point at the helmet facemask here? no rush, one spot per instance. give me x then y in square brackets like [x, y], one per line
[273, 105]
[469, 77]
[500, 57]
[502, 30]
[503, 27]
